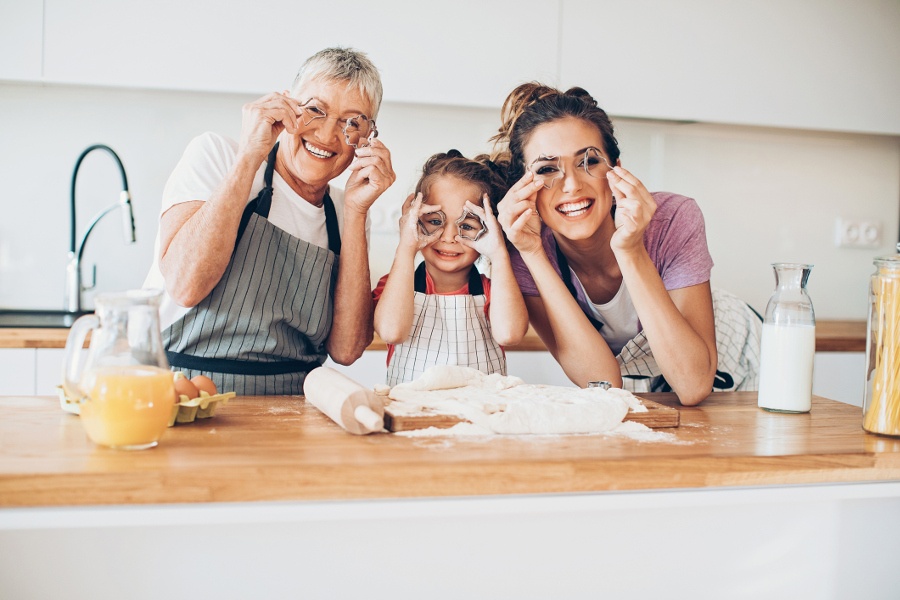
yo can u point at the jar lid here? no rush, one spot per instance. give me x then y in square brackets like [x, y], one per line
[888, 262]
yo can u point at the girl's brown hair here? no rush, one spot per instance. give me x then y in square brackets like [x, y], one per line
[480, 171]
[533, 104]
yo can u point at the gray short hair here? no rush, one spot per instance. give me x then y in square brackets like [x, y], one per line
[343, 64]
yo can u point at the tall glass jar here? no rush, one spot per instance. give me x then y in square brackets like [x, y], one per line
[881, 402]
[788, 343]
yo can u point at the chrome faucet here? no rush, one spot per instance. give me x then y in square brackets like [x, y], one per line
[74, 285]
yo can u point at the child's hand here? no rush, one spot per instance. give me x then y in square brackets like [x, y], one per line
[492, 241]
[411, 238]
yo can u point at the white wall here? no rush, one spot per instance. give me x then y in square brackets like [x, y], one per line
[768, 194]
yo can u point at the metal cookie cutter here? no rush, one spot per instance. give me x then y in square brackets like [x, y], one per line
[470, 226]
[599, 384]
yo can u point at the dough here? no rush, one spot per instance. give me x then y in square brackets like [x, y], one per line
[503, 404]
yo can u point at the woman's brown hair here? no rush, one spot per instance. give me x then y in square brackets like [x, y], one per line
[533, 104]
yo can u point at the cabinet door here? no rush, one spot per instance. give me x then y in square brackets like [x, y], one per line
[21, 23]
[463, 53]
[17, 371]
[840, 376]
[794, 63]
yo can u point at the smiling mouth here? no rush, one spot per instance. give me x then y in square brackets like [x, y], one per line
[316, 151]
[447, 254]
[574, 209]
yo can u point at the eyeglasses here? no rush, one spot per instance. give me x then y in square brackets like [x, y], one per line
[468, 225]
[359, 131]
[550, 167]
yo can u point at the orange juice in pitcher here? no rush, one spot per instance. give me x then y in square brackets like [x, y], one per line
[127, 407]
[123, 384]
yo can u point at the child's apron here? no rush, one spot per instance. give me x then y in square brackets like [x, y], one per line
[447, 330]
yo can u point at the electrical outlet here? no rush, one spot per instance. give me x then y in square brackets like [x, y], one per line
[857, 233]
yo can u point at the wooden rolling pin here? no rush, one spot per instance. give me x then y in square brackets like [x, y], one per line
[347, 403]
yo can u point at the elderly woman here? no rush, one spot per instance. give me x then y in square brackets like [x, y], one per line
[264, 263]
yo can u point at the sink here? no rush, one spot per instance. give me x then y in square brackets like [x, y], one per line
[62, 319]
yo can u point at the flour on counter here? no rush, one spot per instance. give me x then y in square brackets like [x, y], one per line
[507, 405]
[469, 431]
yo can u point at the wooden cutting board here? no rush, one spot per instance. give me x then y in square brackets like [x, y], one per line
[657, 416]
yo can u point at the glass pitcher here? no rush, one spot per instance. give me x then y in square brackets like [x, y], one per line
[123, 384]
[788, 345]
[881, 400]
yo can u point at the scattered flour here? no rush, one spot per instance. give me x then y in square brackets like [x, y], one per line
[495, 404]
[470, 431]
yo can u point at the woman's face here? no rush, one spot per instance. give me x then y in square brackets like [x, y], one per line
[446, 254]
[318, 152]
[578, 202]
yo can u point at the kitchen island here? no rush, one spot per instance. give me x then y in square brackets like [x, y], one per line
[269, 498]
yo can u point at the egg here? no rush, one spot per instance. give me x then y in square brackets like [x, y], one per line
[204, 384]
[184, 387]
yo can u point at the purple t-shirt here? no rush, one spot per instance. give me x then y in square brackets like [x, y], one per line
[675, 239]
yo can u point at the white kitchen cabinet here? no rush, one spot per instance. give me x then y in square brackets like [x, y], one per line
[826, 64]
[840, 376]
[48, 370]
[462, 53]
[21, 24]
[17, 371]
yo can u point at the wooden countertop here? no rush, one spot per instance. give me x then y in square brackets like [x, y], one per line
[831, 336]
[279, 448]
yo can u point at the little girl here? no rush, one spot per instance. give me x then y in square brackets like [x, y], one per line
[444, 312]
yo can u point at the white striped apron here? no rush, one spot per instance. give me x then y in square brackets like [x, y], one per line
[264, 325]
[447, 330]
[738, 334]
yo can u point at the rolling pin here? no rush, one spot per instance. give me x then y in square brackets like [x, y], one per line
[347, 403]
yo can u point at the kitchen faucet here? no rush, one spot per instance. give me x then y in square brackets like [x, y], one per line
[74, 285]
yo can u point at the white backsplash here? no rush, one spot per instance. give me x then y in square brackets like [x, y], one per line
[767, 194]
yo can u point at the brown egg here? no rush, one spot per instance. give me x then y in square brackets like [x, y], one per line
[184, 387]
[204, 384]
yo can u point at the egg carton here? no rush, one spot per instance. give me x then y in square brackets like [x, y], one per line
[66, 403]
[187, 410]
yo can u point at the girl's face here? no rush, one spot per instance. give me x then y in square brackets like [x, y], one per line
[319, 152]
[578, 202]
[445, 254]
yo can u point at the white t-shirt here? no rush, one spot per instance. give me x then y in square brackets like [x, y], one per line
[619, 317]
[202, 168]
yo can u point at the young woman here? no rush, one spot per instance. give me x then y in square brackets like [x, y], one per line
[615, 278]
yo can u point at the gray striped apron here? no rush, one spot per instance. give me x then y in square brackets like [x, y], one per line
[264, 325]
[447, 330]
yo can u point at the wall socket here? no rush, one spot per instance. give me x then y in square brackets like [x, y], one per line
[857, 233]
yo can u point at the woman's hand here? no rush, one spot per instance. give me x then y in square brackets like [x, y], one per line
[263, 120]
[371, 174]
[635, 207]
[411, 238]
[518, 214]
[491, 242]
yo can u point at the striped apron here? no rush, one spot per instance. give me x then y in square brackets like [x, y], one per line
[738, 333]
[447, 330]
[264, 325]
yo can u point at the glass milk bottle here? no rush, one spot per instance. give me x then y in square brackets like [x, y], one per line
[788, 343]
[881, 402]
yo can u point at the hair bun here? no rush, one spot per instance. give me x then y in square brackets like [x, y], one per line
[581, 93]
[454, 153]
